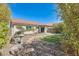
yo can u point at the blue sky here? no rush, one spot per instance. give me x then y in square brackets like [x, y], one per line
[39, 12]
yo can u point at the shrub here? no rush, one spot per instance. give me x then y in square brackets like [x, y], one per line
[4, 23]
[3, 32]
[69, 13]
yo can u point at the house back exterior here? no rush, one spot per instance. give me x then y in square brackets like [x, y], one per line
[28, 27]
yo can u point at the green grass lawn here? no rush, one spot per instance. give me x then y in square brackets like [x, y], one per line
[53, 38]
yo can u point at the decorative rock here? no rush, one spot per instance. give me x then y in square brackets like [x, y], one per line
[40, 48]
[16, 49]
[29, 50]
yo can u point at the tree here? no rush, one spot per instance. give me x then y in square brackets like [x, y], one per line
[57, 28]
[69, 13]
[4, 23]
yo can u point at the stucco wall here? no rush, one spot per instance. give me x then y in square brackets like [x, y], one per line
[14, 29]
[34, 30]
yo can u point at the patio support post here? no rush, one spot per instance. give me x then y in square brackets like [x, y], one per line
[45, 30]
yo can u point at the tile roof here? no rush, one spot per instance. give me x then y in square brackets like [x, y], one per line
[24, 22]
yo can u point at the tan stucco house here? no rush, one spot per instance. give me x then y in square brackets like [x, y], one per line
[29, 27]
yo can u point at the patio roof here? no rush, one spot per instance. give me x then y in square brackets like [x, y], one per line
[24, 22]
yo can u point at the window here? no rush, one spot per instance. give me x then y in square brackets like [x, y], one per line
[28, 28]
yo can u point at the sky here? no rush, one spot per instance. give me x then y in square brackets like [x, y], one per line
[40, 12]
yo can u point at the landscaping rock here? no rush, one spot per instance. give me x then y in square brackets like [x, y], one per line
[39, 48]
[14, 50]
[0, 53]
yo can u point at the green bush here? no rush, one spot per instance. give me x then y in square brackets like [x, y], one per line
[3, 31]
[4, 23]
